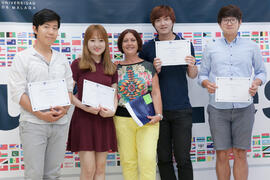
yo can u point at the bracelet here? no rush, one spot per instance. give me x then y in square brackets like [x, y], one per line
[160, 115]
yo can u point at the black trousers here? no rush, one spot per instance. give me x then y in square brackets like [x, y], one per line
[175, 139]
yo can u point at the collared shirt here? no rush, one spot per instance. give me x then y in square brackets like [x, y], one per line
[30, 66]
[172, 79]
[236, 59]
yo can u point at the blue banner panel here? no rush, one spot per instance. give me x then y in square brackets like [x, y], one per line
[130, 11]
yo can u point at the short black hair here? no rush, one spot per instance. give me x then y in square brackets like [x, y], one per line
[229, 11]
[45, 15]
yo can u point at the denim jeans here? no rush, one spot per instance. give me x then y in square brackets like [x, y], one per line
[175, 139]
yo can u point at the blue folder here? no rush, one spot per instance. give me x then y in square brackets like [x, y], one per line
[140, 108]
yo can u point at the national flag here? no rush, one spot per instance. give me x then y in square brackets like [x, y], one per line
[22, 41]
[3, 167]
[265, 141]
[210, 145]
[11, 41]
[110, 42]
[256, 40]
[148, 35]
[245, 34]
[2, 56]
[65, 49]
[63, 35]
[201, 152]
[3, 154]
[116, 50]
[21, 48]
[109, 35]
[141, 35]
[263, 40]
[265, 53]
[265, 135]
[209, 139]
[2, 64]
[210, 158]
[10, 56]
[200, 139]
[201, 159]
[207, 34]
[255, 34]
[266, 59]
[115, 42]
[116, 35]
[197, 41]
[22, 35]
[76, 49]
[15, 153]
[31, 41]
[257, 155]
[210, 152]
[198, 55]
[3, 146]
[2, 49]
[76, 42]
[266, 155]
[3, 161]
[13, 146]
[263, 33]
[9, 63]
[83, 35]
[118, 56]
[56, 48]
[10, 34]
[2, 34]
[256, 148]
[14, 167]
[73, 56]
[111, 163]
[31, 35]
[2, 41]
[198, 48]
[65, 43]
[197, 34]
[77, 164]
[14, 160]
[218, 34]
[264, 46]
[56, 42]
[110, 156]
[22, 167]
[187, 35]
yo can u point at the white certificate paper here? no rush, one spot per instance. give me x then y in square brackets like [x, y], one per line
[95, 94]
[173, 52]
[46, 94]
[233, 89]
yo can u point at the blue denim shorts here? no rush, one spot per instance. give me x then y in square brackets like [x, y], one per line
[231, 128]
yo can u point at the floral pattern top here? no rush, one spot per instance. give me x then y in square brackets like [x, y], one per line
[134, 80]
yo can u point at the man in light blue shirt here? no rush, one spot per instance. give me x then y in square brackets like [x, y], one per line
[231, 123]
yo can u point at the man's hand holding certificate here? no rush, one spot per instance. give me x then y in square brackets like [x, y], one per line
[233, 89]
[95, 95]
[47, 94]
[173, 52]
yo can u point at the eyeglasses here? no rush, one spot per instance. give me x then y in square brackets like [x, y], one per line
[231, 20]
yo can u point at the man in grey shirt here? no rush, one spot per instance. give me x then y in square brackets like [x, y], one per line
[43, 134]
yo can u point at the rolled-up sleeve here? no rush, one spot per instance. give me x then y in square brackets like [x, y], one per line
[205, 67]
[68, 77]
[17, 79]
[258, 65]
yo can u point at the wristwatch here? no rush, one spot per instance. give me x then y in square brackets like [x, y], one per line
[160, 115]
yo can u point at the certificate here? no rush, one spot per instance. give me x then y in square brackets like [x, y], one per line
[95, 94]
[233, 89]
[46, 94]
[173, 52]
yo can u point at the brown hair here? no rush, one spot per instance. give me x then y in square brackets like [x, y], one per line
[135, 34]
[86, 61]
[160, 11]
[229, 11]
